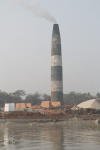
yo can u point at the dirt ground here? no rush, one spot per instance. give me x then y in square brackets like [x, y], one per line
[65, 113]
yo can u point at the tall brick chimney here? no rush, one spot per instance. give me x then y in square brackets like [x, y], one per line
[56, 67]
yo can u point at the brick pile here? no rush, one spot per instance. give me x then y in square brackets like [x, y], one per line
[53, 114]
[50, 111]
[23, 114]
[23, 105]
[35, 106]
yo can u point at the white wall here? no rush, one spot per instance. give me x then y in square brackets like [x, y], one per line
[10, 107]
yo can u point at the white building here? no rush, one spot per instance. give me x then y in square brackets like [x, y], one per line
[9, 106]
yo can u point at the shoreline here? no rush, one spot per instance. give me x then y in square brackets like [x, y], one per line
[41, 120]
[50, 115]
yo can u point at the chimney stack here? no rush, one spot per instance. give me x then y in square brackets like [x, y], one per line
[56, 67]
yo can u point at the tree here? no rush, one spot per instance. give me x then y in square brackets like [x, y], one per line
[46, 97]
[19, 93]
[74, 98]
[98, 95]
[34, 99]
[5, 97]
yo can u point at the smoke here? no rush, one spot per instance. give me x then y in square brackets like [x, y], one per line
[18, 2]
[36, 10]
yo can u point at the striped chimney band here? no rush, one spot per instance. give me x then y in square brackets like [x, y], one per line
[56, 67]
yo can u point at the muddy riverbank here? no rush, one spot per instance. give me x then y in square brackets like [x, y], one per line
[50, 115]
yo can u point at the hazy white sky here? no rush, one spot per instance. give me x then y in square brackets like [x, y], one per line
[25, 45]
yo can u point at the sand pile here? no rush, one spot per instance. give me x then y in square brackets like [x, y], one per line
[75, 108]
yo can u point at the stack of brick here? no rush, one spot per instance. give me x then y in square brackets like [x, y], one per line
[55, 104]
[50, 111]
[23, 105]
[23, 114]
[36, 106]
[48, 104]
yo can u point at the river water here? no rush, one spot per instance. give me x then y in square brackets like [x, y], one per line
[67, 135]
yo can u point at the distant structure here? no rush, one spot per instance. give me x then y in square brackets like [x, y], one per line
[56, 67]
[93, 103]
[9, 107]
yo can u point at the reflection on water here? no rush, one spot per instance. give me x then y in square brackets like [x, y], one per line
[69, 135]
[54, 134]
[6, 137]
